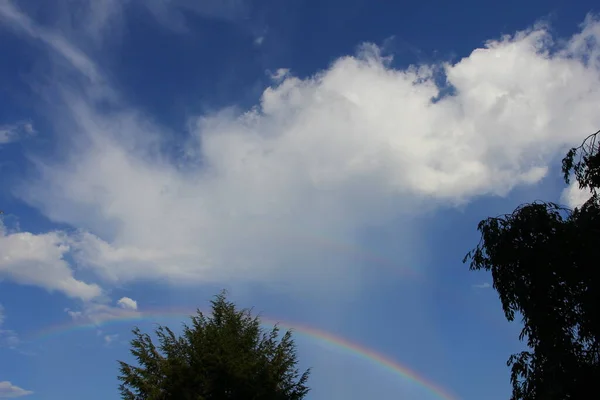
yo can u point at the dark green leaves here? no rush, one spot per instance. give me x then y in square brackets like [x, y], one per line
[543, 262]
[584, 163]
[225, 356]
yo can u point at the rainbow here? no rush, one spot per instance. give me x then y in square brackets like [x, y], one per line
[329, 339]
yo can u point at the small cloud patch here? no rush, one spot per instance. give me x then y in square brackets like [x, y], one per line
[98, 312]
[10, 391]
[13, 132]
[127, 303]
[8, 338]
[108, 339]
[483, 285]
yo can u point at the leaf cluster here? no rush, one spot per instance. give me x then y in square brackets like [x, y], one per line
[224, 356]
[544, 265]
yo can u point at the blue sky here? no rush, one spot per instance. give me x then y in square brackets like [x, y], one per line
[327, 162]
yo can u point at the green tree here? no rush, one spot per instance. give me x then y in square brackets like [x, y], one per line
[224, 356]
[544, 265]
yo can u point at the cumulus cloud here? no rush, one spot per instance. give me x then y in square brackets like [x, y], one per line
[38, 260]
[99, 311]
[10, 391]
[573, 196]
[14, 132]
[353, 146]
[127, 303]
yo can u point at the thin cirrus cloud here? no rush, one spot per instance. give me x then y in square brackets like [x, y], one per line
[351, 146]
[12, 17]
[99, 19]
[108, 339]
[8, 337]
[484, 285]
[13, 132]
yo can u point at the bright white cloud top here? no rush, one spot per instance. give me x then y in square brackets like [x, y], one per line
[127, 303]
[39, 260]
[353, 145]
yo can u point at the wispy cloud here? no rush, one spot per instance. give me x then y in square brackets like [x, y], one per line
[98, 311]
[8, 338]
[109, 339]
[99, 18]
[355, 145]
[21, 23]
[172, 14]
[16, 131]
[10, 391]
[103, 17]
[483, 285]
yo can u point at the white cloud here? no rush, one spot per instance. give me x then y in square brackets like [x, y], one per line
[20, 22]
[231, 10]
[483, 285]
[38, 260]
[352, 146]
[279, 76]
[10, 391]
[573, 196]
[13, 132]
[97, 312]
[127, 303]
[108, 339]
[74, 314]
[8, 338]
[173, 14]
[102, 17]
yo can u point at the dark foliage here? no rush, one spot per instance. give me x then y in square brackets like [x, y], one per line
[544, 267]
[225, 356]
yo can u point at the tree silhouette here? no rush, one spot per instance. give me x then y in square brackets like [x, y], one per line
[225, 356]
[544, 265]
